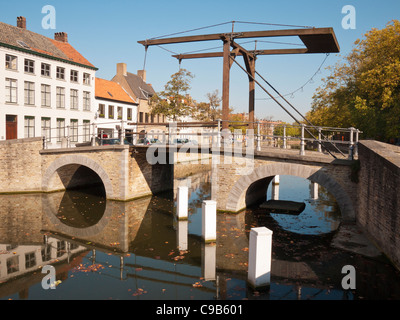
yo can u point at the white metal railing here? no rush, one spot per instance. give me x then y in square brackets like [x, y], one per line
[333, 140]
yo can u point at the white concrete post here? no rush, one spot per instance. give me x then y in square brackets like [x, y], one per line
[182, 234]
[258, 136]
[209, 221]
[209, 262]
[314, 190]
[260, 252]
[182, 202]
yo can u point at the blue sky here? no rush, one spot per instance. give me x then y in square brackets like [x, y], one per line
[107, 33]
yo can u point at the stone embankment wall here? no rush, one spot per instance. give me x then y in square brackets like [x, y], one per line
[20, 165]
[379, 195]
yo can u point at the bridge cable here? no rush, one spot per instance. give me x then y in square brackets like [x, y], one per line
[304, 118]
[273, 98]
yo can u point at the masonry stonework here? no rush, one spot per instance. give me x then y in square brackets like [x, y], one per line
[236, 186]
[379, 198]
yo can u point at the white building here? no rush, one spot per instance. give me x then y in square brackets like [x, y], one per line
[47, 88]
[115, 109]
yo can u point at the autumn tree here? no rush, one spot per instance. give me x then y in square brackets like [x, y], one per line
[174, 102]
[363, 91]
[209, 111]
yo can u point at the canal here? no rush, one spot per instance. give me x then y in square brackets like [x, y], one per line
[137, 250]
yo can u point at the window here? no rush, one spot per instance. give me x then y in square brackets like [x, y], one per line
[60, 248]
[74, 76]
[73, 130]
[46, 253]
[110, 112]
[11, 62]
[45, 71]
[74, 99]
[30, 260]
[11, 90]
[29, 66]
[119, 113]
[12, 264]
[29, 93]
[46, 97]
[146, 117]
[86, 130]
[102, 110]
[60, 94]
[29, 127]
[86, 78]
[60, 129]
[129, 116]
[86, 100]
[46, 131]
[141, 117]
[60, 73]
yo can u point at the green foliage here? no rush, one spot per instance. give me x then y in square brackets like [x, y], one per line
[364, 90]
[174, 102]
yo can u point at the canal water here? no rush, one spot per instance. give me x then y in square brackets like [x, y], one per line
[137, 250]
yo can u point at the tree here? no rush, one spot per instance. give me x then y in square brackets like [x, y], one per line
[364, 90]
[174, 102]
[209, 111]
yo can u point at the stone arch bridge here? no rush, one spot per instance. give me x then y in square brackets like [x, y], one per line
[125, 172]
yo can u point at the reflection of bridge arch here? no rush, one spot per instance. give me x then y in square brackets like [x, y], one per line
[253, 187]
[73, 163]
[51, 204]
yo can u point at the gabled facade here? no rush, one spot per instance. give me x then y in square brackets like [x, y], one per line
[47, 88]
[114, 105]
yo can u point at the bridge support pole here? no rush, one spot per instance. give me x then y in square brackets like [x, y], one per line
[209, 221]
[260, 251]
[182, 203]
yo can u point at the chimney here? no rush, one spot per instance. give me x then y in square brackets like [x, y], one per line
[142, 74]
[21, 22]
[61, 36]
[122, 69]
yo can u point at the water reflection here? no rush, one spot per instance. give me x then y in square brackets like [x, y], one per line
[139, 250]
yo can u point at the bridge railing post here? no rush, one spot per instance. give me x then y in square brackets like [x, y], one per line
[258, 136]
[319, 140]
[68, 137]
[93, 142]
[302, 140]
[356, 143]
[284, 138]
[219, 134]
[44, 139]
[122, 134]
[351, 144]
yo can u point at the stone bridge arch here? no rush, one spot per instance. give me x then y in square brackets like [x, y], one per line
[52, 181]
[247, 188]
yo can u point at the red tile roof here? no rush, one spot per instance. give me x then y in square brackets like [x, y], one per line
[71, 53]
[111, 91]
[26, 40]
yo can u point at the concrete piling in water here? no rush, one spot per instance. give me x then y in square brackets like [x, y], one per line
[260, 252]
[209, 221]
[182, 203]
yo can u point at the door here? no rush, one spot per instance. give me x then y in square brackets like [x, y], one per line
[11, 127]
